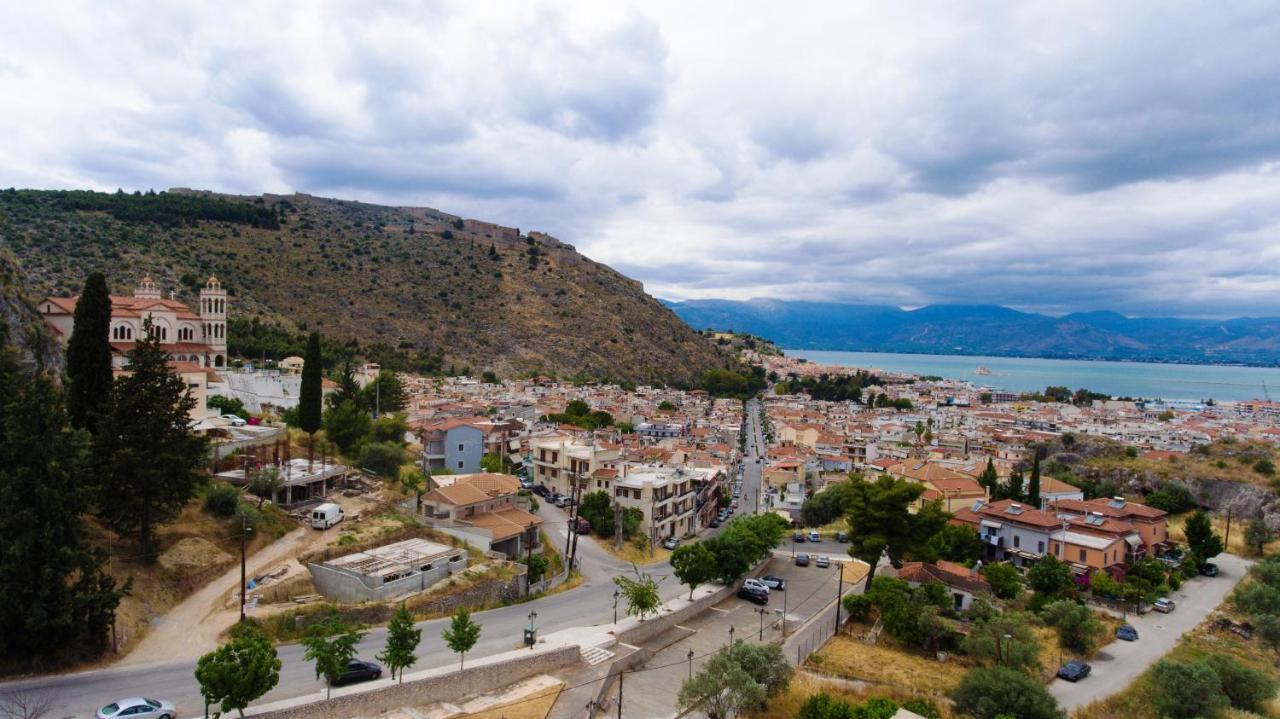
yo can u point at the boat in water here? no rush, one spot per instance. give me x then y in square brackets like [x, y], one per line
[982, 370]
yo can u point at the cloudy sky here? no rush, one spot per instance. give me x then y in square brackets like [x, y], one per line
[1047, 156]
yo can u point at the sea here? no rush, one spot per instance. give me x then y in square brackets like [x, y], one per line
[1118, 379]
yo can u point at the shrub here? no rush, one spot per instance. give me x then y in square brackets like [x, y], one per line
[221, 499]
[1004, 579]
[1173, 498]
[857, 606]
[1247, 688]
[875, 708]
[991, 692]
[923, 707]
[823, 706]
[1186, 690]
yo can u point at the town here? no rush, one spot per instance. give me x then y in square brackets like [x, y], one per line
[647, 551]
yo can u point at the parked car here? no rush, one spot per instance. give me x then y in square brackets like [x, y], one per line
[1074, 670]
[542, 491]
[671, 543]
[798, 537]
[138, 707]
[1209, 569]
[753, 594]
[823, 561]
[773, 582]
[358, 670]
[234, 420]
[584, 527]
[562, 501]
[842, 537]
[715, 522]
[1163, 605]
[756, 584]
[1127, 633]
[802, 560]
[815, 537]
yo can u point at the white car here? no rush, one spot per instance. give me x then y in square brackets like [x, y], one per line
[138, 707]
[234, 420]
[1164, 605]
[756, 584]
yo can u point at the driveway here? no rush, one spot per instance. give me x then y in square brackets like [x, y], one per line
[1119, 663]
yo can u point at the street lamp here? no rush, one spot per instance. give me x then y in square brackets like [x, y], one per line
[616, 594]
[690, 656]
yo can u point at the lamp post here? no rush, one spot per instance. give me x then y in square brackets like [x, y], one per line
[531, 632]
[616, 594]
[839, 591]
[690, 657]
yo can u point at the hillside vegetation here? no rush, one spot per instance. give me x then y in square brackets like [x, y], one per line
[438, 289]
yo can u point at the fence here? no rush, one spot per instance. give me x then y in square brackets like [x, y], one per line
[811, 635]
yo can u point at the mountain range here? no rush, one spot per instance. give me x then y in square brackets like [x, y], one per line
[417, 281]
[990, 330]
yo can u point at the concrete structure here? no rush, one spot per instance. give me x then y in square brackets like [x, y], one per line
[259, 389]
[387, 572]
[302, 483]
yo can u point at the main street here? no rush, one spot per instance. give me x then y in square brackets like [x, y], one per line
[80, 693]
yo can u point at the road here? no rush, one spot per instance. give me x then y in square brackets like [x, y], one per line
[1119, 663]
[80, 693]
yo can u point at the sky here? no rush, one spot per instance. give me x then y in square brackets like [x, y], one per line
[1047, 156]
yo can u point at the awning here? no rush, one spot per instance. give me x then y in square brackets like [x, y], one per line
[991, 524]
[1133, 540]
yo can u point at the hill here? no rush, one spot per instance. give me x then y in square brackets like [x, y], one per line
[990, 330]
[433, 289]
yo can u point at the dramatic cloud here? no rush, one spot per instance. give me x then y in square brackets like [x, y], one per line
[1048, 156]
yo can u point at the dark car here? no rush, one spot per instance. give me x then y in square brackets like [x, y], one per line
[1209, 569]
[773, 582]
[584, 527]
[1127, 633]
[754, 594]
[798, 538]
[1074, 670]
[842, 537]
[802, 560]
[542, 491]
[715, 522]
[359, 670]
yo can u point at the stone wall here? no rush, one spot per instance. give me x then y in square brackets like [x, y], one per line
[429, 687]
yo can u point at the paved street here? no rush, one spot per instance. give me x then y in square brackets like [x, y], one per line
[1121, 662]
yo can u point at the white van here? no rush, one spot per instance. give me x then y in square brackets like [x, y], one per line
[326, 515]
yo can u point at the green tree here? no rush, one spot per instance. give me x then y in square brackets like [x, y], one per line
[348, 389]
[347, 426]
[1256, 535]
[641, 593]
[1004, 640]
[693, 564]
[1077, 628]
[493, 463]
[1186, 690]
[227, 405]
[386, 393]
[55, 600]
[402, 642]
[994, 692]
[265, 482]
[331, 644]
[1049, 576]
[1246, 688]
[881, 521]
[461, 635]
[597, 508]
[238, 672]
[1033, 488]
[311, 393]
[823, 706]
[990, 480]
[415, 482]
[956, 543]
[1267, 627]
[381, 458]
[389, 428]
[828, 505]
[89, 355]
[1004, 580]
[1013, 490]
[1201, 539]
[149, 460]
[735, 678]
[537, 567]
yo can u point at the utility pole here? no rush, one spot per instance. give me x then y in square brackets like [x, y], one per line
[568, 539]
[528, 559]
[619, 514]
[839, 592]
[620, 675]
[577, 500]
[244, 524]
[653, 519]
[1226, 541]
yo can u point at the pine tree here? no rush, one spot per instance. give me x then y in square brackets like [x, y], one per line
[89, 354]
[1033, 489]
[990, 479]
[1014, 490]
[148, 458]
[402, 640]
[55, 600]
[310, 413]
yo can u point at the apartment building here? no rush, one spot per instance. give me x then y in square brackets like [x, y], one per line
[667, 496]
[557, 457]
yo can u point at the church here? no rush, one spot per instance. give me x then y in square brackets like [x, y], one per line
[192, 338]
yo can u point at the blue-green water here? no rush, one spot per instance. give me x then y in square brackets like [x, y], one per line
[1017, 374]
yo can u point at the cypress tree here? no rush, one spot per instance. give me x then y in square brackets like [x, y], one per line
[1033, 489]
[55, 600]
[89, 354]
[149, 461]
[310, 413]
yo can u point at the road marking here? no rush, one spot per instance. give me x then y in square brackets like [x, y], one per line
[718, 609]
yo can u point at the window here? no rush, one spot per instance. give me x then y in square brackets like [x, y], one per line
[461, 447]
[1017, 541]
[1082, 555]
[459, 464]
[1040, 547]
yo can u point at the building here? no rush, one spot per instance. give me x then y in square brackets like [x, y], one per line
[964, 584]
[481, 509]
[301, 481]
[666, 496]
[661, 430]
[196, 338]
[558, 457]
[454, 444]
[387, 572]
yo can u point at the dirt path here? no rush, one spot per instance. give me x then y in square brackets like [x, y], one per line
[192, 628]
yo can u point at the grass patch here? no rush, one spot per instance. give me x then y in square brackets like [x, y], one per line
[630, 553]
[1235, 543]
[805, 685]
[886, 665]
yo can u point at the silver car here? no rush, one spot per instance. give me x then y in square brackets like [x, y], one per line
[138, 707]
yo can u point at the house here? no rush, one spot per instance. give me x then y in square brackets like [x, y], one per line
[1151, 524]
[557, 458]
[453, 444]
[787, 471]
[1053, 491]
[951, 492]
[963, 583]
[197, 338]
[1023, 534]
[668, 497]
[481, 509]
[388, 572]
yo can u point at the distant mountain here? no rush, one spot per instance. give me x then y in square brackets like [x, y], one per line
[990, 330]
[418, 281]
